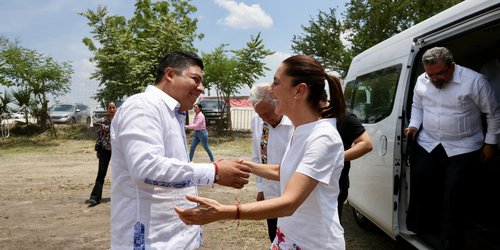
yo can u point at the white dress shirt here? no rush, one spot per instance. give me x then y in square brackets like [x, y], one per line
[315, 150]
[276, 145]
[451, 116]
[151, 174]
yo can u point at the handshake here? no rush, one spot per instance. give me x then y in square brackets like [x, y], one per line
[232, 173]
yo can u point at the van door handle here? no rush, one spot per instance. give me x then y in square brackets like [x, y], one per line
[383, 145]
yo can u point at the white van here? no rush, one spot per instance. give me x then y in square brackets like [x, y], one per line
[379, 88]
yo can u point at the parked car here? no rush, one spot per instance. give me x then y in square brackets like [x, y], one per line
[215, 112]
[97, 115]
[101, 112]
[70, 114]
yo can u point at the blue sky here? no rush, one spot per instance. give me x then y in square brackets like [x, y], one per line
[54, 28]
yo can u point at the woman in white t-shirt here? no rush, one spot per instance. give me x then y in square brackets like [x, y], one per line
[310, 170]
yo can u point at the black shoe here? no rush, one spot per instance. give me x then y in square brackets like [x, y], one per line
[92, 202]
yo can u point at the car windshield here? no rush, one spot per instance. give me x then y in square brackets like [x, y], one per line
[211, 104]
[63, 108]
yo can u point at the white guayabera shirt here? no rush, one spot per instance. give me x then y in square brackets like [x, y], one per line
[451, 116]
[151, 174]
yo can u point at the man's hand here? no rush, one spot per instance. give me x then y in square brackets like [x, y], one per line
[207, 211]
[487, 153]
[233, 174]
[410, 131]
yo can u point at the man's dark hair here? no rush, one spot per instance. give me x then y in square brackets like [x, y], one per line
[178, 61]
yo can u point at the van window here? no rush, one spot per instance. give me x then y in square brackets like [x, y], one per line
[371, 96]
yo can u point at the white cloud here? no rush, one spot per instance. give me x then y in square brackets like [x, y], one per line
[83, 69]
[242, 16]
[272, 62]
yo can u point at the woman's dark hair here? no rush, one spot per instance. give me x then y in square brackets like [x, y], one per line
[177, 61]
[305, 69]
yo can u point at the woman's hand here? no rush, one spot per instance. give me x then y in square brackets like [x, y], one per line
[207, 211]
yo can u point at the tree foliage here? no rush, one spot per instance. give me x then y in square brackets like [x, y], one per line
[4, 103]
[37, 75]
[22, 98]
[127, 52]
[228, 73]
[321, 40]
[365, 23]
[372, 21]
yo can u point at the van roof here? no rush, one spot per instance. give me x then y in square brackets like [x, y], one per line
[402, 42]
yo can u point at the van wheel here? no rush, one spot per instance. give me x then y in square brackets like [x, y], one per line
[360, 219]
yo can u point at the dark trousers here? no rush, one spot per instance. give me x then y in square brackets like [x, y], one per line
[439, 192]
[271, 228]
[104, 158]
[341, 200]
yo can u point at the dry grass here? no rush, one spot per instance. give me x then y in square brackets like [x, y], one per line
[42, 200]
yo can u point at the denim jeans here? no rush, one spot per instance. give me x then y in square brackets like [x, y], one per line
[200, 135]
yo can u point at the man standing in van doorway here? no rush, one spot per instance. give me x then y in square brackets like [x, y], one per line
[448, 100]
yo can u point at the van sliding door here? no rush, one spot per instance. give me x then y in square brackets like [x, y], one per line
[371, 98]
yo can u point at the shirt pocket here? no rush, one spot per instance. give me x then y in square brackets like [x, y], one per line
[465, 113]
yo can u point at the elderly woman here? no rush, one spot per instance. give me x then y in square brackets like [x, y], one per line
[310, 169]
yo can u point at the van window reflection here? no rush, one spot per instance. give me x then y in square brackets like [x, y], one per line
[371, 96]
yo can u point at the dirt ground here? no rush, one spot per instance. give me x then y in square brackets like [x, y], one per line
[44, 184]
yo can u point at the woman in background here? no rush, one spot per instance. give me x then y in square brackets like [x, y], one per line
[103, 148]
[200, 133]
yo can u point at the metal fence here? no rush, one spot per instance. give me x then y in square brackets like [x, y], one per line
[241, 118]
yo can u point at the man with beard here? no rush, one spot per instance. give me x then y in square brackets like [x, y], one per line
[447, 104]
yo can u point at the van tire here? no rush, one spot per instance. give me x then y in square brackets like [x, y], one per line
[360, 219]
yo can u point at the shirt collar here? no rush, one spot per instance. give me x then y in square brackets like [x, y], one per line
[171, 103]
[284, 122]
[457, 74]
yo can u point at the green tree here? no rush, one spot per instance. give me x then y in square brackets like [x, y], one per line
[36, 73]
[128, 51]
[22, 98]
[322, 40]
[365, 23]
[5, 109]
[228, 73]
[372, 21]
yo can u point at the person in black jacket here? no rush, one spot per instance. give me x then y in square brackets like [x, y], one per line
[357, 143]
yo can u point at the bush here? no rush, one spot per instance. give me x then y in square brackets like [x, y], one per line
[20, 128]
